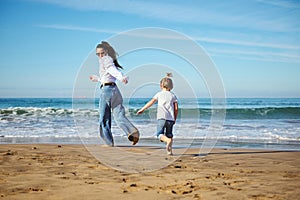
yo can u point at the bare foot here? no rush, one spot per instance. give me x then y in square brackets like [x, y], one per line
[169, 146]
[134, 137]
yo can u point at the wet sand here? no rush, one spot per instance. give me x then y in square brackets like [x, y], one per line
[44, 171]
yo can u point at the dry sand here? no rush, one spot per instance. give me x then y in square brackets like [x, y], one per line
[41, 171]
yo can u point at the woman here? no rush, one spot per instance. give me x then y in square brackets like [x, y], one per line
[111, 100]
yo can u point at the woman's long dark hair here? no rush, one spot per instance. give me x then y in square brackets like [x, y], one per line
[111, 52]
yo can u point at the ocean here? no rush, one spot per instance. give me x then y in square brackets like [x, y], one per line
[266, 123]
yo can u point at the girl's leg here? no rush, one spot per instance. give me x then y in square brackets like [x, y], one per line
[105, 116]
[162, 126]
[121, 119]
[169, 147]
[169, 134]
[169, 142]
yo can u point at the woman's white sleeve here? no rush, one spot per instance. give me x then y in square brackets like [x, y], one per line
[112, 69]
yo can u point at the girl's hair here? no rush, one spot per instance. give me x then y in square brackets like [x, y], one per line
[167, 82]
[111, 52]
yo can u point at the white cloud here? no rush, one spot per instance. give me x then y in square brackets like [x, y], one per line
[280, 3]
[247, 43]
[257, 55]
[160, 36]
[77, 28]
[217, 14]
[240, 54]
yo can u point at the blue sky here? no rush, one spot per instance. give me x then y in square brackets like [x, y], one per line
[254, 44]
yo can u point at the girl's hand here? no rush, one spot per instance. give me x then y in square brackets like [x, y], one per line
[94, 78]
[139, 112]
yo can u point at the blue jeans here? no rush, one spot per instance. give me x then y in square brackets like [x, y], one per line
[111, 101]
[165, 127]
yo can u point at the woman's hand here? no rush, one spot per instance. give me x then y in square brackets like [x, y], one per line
[125, 79]
[94, 78]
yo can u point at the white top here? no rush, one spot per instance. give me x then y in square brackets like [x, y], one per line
[108, 71]
[165, 105]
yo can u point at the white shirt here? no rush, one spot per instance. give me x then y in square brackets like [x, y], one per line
[108, 71]
[165, 105]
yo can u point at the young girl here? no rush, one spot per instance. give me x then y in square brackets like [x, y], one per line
[110, 97]
[167, 110]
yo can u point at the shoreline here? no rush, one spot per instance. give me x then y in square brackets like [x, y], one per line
[70, 171]
[276, 144]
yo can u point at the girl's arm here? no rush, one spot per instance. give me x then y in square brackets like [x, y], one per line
[149, 104]
[175, 110]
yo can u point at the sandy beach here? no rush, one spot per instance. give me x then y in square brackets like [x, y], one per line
[44, 171]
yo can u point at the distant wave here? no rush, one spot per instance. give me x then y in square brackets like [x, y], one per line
[264, 113]
[232, 113]
[239, 113]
